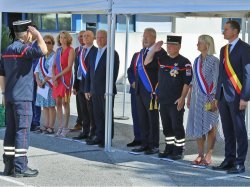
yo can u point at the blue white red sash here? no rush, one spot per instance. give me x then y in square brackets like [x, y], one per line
[44, 70]
[205, 88]
[82, 64]
[143, 74]
[146, 80]
[59, 68]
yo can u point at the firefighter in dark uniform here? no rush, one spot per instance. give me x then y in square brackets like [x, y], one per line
[16, 79]
[175, 75]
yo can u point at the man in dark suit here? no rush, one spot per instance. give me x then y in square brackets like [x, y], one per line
[233, 93]
[145, 88]
[86, 109]
[77, 80]
[95, 86]
[131, 78]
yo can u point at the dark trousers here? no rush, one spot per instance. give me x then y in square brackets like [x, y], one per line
[173, 129]
[148, 121]
[136, 127]
[234, 129]
[99, 116]
[36, 109]
[86, 108]
[18, 120]
[78, 107]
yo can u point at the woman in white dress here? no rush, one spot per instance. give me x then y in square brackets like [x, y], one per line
[203, 115]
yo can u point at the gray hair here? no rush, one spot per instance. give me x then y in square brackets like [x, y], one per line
[151, 31]
[209, 42]
[102, 31]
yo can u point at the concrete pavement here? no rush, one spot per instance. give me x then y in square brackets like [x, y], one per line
[63, 162]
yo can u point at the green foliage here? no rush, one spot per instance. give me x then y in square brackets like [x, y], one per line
[5, 37]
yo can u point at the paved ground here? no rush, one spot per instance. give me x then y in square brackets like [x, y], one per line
[63, 162]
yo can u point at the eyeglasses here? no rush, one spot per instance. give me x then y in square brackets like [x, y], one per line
[49, 43]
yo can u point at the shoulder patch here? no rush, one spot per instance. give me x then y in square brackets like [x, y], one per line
[188, 69]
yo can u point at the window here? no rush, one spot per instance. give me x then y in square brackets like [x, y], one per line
[224, 20]
[64, 22]
[35, 19]
[51, 22]
[121, 23]
[48, 21]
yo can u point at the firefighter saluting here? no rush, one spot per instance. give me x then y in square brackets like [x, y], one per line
[16, 81]
[174, 76]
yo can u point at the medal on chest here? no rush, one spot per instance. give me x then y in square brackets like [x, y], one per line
[175, 70]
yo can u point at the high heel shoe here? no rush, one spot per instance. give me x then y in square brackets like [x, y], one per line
[205, 162]
[198, 160]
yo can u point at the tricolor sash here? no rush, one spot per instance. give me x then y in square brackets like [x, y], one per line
[146, 80]
[82, 64]
[203, 85]
[135, 62]
[59, 68]
[230, 72]
[44, 70]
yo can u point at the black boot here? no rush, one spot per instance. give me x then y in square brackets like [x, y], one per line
[8, 165]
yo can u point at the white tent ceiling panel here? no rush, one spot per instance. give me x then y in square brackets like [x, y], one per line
[184, 8]
[54, 6]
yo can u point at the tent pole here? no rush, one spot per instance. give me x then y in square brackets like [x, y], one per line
[247, 20]
[107, 148]
[243, 28]
[109, 94]
[111, 79]
[1, 32]
[123, 117]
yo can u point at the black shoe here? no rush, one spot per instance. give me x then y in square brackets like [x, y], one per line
[81, 137]
[175, 156]
[151, 151]
[236, 169]
[165, 154]
[101, 145]
[28, 173]
[8, 166]
[34, 128]
[93, 141]
[140, 149]
[225, 165]
[134, 143]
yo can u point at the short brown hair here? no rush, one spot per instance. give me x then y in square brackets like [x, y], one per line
[234, 25]
[68, 37]
[50, 37]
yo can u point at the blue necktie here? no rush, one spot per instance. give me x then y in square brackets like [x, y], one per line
[229, 47]
[145, 54]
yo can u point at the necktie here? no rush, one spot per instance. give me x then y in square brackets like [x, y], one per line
[98, 56]
[229, 47]
[145, 54]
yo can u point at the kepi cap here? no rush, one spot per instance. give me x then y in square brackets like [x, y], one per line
[174, 39]
[21, 26]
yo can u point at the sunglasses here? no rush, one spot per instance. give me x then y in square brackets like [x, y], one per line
[49, 43]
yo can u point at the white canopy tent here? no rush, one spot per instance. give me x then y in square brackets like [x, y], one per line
[55, 6]
[206, 8]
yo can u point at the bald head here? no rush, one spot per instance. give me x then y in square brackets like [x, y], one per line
[88, 38]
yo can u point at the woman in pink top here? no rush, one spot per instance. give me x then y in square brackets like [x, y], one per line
[63, 79]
